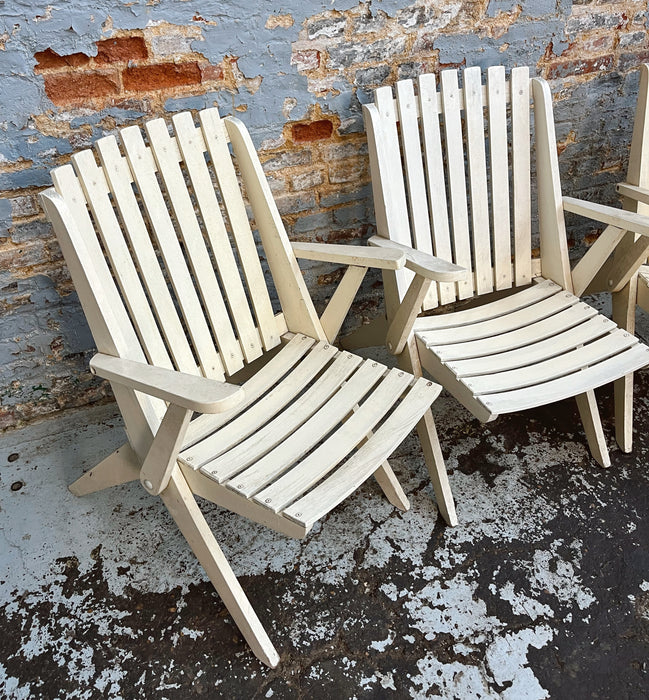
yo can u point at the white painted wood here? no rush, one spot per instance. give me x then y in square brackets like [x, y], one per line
[521, 179]
[589, 413]
[423, 264]
[588, 330]
[497, 90]
[627, 220]
[180, 502]
[256, 386]
[477, 176]
[120, 467]
[572, 385]
[361, 256]
[201, 394]
[552, 228]
[144, 170]
[271, 404]
[413, 165]
[327, 455]
[409, 361]
[484, 312]
[347, 478]
[456, 178]
[643, 287]
[193, 148]
[336, 310]
[387, 480]
[430, 107]
[595, 257]
[160, 461]
[96, 190]
[167, 155]
[119, 177]
[503, 324]
[401, 325]
[300, 439]
[216, 139]
[519, 338]
[297, 306]
[556, 366]
[639, 194]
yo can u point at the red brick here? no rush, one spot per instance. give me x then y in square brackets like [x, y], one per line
[49, 60]
[210, 72]
[124, 48]
[160, 76]
[579, 66]
[306, 59]
[314, 131]
[69, 88]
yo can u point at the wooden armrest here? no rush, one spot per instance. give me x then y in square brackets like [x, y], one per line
[436, 269]
[360, 256]
[189, 391]
[620, 218]
[639, 194]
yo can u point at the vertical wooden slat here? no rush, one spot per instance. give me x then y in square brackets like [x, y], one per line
[412, 156]
[477, 166]
[393, 197]
[167, 155]
[429, 108]
[96, 191]
[193, 149]
[216, 140]
[520, 96]
[499, 161]
[119, 177]
[143, 168]
[456, 177]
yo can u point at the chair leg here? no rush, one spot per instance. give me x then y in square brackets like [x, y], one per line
[409, 361]
[118, 468]
[623, 389]
[624, 303]
[589, 414]
[180, 502]
[391, 487]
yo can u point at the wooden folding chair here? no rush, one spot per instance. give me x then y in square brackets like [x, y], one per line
[452, 182]
[163, 257]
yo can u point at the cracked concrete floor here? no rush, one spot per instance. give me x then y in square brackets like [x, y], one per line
[541, 591]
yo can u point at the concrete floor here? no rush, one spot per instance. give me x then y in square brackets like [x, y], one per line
[541, 591]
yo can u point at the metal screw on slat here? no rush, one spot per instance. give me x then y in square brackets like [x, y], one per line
[298, 515]
[188, 459]
[267, 500]
[429, 384]
[326, 347]
[373, 364]
[239, 486]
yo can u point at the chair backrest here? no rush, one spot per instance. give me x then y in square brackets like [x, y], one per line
[161, 251]
[465, 193]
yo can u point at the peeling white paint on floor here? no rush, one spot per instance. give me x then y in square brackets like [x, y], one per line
[488, 614]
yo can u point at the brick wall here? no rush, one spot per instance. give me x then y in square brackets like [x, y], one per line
[297, 78]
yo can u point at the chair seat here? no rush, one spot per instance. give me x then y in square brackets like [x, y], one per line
[536, 346]
[292, 447]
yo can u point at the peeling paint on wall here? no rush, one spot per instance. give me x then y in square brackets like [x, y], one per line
[297, 75]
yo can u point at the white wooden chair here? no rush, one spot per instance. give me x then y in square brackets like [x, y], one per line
[466, 196]
[162, 255]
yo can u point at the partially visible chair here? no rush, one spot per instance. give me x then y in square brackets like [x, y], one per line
[163, 257]
[452, 183]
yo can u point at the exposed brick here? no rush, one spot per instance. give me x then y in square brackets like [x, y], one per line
[346, 171]
[305, 181]
[632, 60]
[563, 69]
[346, 55]
[160, 76]
[306, 60]
[639, 38]
[313, 222]
[26, 205]
[313, 131]
[328, 27]
[210, 72]
[287, 160]
[293, 203]
[71, 88]
[586, 22]
[344, 149]
[164, 45]
[50, 60]
[376, 75]
[121, 49]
